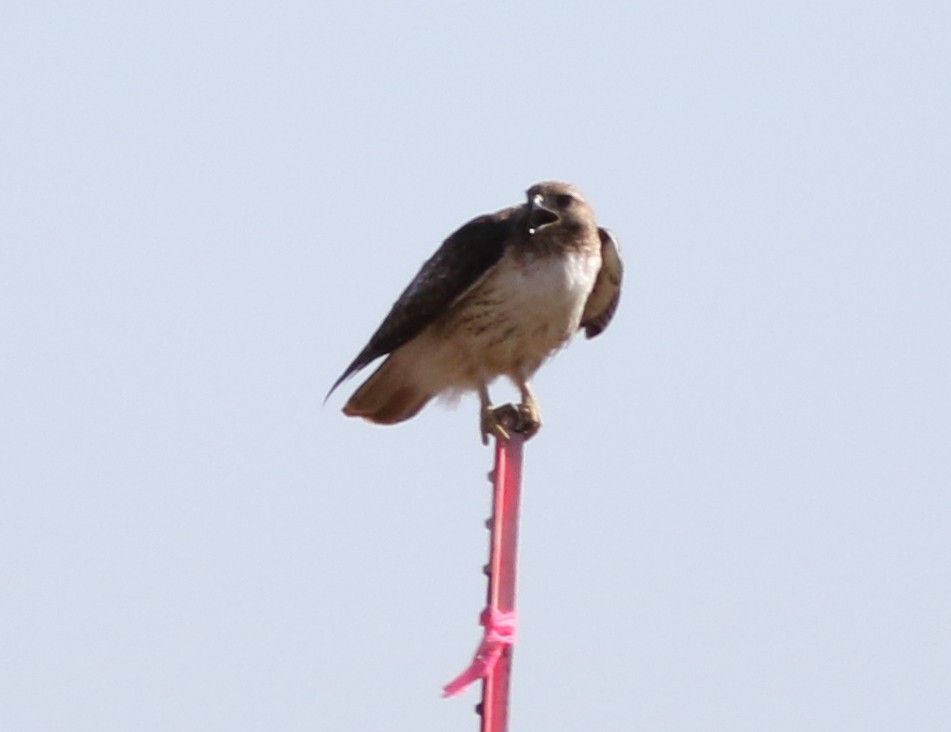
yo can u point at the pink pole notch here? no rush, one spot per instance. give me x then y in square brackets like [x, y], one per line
[493, 658]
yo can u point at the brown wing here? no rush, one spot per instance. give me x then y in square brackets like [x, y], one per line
[603, 300]
[461, 261]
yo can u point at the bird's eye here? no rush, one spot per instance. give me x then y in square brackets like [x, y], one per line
[564, 200]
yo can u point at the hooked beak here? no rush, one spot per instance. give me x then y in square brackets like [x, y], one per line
[539, 215]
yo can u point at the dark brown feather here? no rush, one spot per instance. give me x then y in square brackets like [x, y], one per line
[461, 261]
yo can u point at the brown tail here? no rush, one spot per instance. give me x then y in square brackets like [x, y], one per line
[390, 395]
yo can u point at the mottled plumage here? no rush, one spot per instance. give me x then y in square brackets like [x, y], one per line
[498, 297]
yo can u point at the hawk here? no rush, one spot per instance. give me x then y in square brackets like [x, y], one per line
[500, 296]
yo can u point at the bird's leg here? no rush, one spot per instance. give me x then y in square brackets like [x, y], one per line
[492, 418]
[529, 415]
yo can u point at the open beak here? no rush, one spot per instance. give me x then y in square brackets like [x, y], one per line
[539, 214]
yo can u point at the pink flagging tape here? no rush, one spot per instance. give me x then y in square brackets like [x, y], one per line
[500, 631]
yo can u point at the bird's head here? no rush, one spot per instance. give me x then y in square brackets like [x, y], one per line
[553, 202]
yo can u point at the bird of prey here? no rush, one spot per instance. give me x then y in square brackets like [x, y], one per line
[498, 298]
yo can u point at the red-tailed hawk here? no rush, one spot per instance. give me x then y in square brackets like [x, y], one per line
[498, 298]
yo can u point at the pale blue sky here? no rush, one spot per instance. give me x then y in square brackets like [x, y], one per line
[737, 515]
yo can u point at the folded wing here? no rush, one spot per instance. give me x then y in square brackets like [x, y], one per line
[462, 260]
[603, 300]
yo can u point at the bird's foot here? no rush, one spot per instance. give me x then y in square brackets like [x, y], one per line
[495, 420]
[499, 422]
[529, 419]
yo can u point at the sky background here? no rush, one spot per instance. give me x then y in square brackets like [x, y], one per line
[737, 515]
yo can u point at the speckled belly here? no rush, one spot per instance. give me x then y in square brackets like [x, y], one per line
[516, 318]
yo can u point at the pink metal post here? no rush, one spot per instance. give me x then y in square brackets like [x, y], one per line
[493, 659]
[502, 573]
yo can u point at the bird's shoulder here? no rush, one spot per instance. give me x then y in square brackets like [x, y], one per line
[462, 259]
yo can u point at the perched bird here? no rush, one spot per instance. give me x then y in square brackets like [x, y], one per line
[498, 298]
